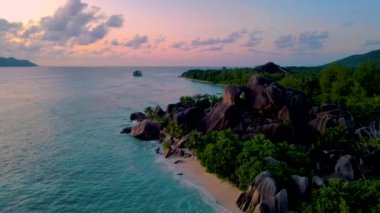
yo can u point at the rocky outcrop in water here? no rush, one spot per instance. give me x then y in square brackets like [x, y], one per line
[146, 130]
[126, 130]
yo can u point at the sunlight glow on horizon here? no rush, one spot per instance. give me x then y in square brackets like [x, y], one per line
[215, 33]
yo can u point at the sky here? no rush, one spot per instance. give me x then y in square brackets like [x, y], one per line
[187, 32]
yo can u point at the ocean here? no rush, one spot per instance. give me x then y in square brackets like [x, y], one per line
[61, 149]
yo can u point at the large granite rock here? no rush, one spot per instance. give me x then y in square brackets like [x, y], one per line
[370, 131]
[158, 110]
[325, 161]
[330, 116]
[300, 184]
[232, 94]
[137, 116]
[262, 196]
[296, 108]
[264, 95]
[344, 168]
[370, 163]
[271, 67]
[275, 131]
[318, 181]
[221, 116]
[173, 108]
[274, 204]
[146, 130]
[189, 117]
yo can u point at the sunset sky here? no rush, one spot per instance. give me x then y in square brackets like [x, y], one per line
[187, 32]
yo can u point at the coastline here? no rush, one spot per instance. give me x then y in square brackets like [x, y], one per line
[223, 192]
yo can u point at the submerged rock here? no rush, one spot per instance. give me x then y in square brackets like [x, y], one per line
[126, 130]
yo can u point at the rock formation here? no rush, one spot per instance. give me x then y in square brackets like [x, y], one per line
[137, 116]
[271, 67]
[146, 130]
[263, 196]
[330, 116]
[264, 95]
[220, 117]
[232, 94]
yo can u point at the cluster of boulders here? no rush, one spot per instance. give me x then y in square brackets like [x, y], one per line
[263, 195]
[263, 106]
[145, 128]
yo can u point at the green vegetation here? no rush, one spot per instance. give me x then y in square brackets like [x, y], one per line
[175, 130]
[355, 88]
[239, 161]
[149, 111]
[203, 101]
[166, 145]
[224, 76]
[355, 60]
[346, 196]
[337, 137]
[219, 155]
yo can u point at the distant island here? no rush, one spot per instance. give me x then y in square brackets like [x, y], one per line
[355, 60]
[13, 62]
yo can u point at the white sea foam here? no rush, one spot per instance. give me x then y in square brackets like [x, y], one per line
[190, 182]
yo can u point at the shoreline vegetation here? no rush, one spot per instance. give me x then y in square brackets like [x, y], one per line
[299, 141]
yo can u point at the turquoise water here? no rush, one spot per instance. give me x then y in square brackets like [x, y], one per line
[60, 147]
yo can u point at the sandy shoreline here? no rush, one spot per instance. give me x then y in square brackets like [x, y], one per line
[224, 193]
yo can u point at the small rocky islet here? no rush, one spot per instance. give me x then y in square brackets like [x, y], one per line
[280, 114]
